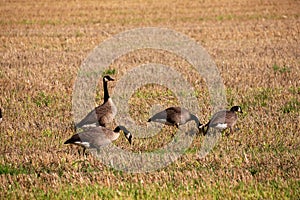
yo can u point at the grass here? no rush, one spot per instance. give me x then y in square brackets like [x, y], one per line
[272, 189]
[43, 45]
[283, 69]
[291, 106]
[109, 72]
[42, 99]
[6, 169]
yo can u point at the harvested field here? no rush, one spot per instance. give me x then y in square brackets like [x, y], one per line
[255, 46]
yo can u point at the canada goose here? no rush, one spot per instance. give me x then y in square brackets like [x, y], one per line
[0, 115]
[223, 119]
[98, 136]
[175, 116]
[102, 114]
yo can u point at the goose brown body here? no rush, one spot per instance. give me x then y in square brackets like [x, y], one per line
[103, 114]
[174, 116]
[98, 136]
[224, 119]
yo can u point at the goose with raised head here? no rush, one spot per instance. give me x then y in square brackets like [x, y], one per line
[0, 115]
[97, 137]
[223, 119]
[102, 114]
[175, 116]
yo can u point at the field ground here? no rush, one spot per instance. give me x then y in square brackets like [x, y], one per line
[255, 45]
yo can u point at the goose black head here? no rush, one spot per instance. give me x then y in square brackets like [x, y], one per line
[201, 128]
[236, 109]
[127, 134]
[107, 78]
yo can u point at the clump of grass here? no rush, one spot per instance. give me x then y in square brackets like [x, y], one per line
[42, 99]
[225, 17]
[294, 90]
[253, 170]
[263, 96]
[220, 18]
[279, 69]
[47, 133]
[7, 169]
[79, 34]
[27, 21]
[109, 72]
[291, 106]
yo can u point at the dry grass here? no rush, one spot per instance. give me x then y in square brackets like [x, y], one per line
[255, 46]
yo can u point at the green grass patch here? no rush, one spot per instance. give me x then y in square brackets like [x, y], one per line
[7, 169]
[42, 99]
[291, 106]
[294, 90]
[109, 72]
[47, 133]
[272, 189]
[283, 69]
[262, 96]
[253, 170]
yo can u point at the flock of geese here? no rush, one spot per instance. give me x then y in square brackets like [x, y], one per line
[94, 133]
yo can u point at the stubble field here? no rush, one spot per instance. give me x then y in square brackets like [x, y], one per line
[255, 46]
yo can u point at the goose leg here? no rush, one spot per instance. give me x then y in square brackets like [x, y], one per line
[205, 131]
[230, 132]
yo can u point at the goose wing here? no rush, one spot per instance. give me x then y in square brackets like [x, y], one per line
[106, 113]
[218, 118]
[174, 114]
[168, 115]
[158, 116]
[90, 118]
[222, 117]
[102, 114]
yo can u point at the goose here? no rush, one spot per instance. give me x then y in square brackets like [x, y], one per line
[102, 114]
[0, 115]
[175, 116]
[223, 119]
[97, 137]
